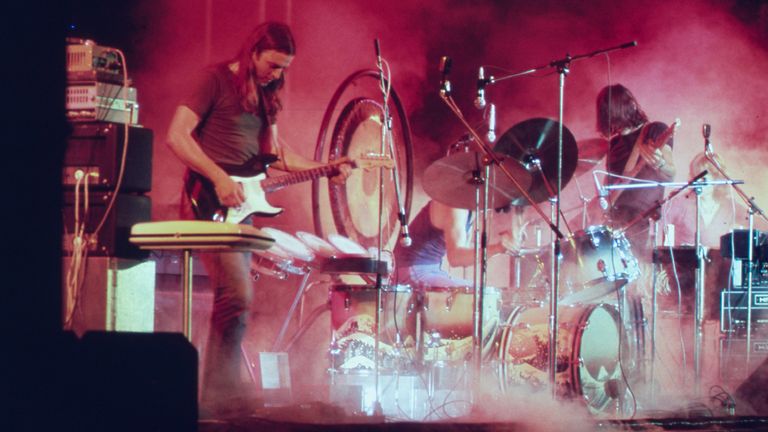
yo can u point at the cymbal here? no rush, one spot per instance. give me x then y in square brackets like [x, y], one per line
[454, 179]
[593, 149]
[591, 153]
[537, 138]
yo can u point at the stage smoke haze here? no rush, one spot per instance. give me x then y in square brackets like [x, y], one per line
[700, 61]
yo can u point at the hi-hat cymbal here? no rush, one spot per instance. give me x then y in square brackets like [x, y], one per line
[537, 139]
[453, 180]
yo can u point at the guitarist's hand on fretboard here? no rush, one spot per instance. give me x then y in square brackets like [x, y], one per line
[344, 170]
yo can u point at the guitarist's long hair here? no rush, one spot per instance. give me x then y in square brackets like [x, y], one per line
[266, 36]
[617, 110]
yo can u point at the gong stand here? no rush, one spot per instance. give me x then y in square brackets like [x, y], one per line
[700, 257]
[562, 66]
[752, 209]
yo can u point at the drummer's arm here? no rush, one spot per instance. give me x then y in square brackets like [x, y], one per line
[452, 222]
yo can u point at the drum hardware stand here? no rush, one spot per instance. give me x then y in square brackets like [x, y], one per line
[752, 209]
[654, 303]
[489, 157]
[698, 335]
[562, 66]
[584, 203]
[299, 294]
[699, 312]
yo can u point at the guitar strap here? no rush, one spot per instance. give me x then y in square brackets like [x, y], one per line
[634, 163]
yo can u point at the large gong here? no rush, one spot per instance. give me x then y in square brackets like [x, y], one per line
[357, 135]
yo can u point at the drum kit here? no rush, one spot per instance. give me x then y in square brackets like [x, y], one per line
[429, 333]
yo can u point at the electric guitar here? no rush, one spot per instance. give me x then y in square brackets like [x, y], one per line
[206, 205]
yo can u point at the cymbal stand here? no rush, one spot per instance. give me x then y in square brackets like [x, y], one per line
[752, 209]
[562, 66]
[699, 312]
[698, 335]
[489, 157]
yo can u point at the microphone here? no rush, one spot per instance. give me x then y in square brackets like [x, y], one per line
[706, 130]
[481, 82]
[405, 237]
[602, 193]
[445, 69]
[378, 51]
[491, 123]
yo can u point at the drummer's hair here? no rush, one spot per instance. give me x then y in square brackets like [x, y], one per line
[617, 109]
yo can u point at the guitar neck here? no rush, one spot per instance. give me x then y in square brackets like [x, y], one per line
[276, 183]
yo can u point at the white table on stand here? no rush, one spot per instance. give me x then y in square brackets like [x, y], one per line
[188, 236]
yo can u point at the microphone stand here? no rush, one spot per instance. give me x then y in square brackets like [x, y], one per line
[386, 142]
[562, 66]
[489, 157]
[752, 209]
[699, 287]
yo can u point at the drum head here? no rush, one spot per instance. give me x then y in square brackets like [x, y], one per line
[347, 245]
[318, 245]
[587, 354]
[289, 244]
[598, 360]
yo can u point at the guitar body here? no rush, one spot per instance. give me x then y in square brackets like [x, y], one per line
[255, 203]
[206, 204]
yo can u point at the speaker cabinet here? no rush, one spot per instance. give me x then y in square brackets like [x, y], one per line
[115, 294]
[97, 148]
[113, 238]
[754, 390]
[137, 381]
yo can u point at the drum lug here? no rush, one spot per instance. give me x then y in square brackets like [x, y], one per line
[347, 301]
[449, 301]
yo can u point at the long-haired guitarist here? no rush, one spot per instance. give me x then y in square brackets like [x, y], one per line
[226, 122]
[638, 148]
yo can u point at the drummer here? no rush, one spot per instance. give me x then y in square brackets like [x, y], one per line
[638, 148]
[439, 232]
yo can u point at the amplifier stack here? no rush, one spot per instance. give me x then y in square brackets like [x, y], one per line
[107, 174]
[736, 302]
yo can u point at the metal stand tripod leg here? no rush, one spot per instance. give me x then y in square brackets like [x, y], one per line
[299, 294]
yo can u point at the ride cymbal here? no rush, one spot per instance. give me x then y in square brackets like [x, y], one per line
[537, 140]
[453, 180]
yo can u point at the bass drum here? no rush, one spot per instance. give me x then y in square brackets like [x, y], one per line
[588, 366]
[447, 323]
[353, 328]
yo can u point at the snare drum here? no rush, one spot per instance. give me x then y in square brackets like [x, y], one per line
[353, 315]
[447, 321]
[587, 353]
[594, 262]
[287, 255]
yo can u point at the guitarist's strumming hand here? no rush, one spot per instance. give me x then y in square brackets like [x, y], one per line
[229, 192]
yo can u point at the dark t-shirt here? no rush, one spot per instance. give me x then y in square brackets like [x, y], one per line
[633, 202]
[428, 243]
[227, 133]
